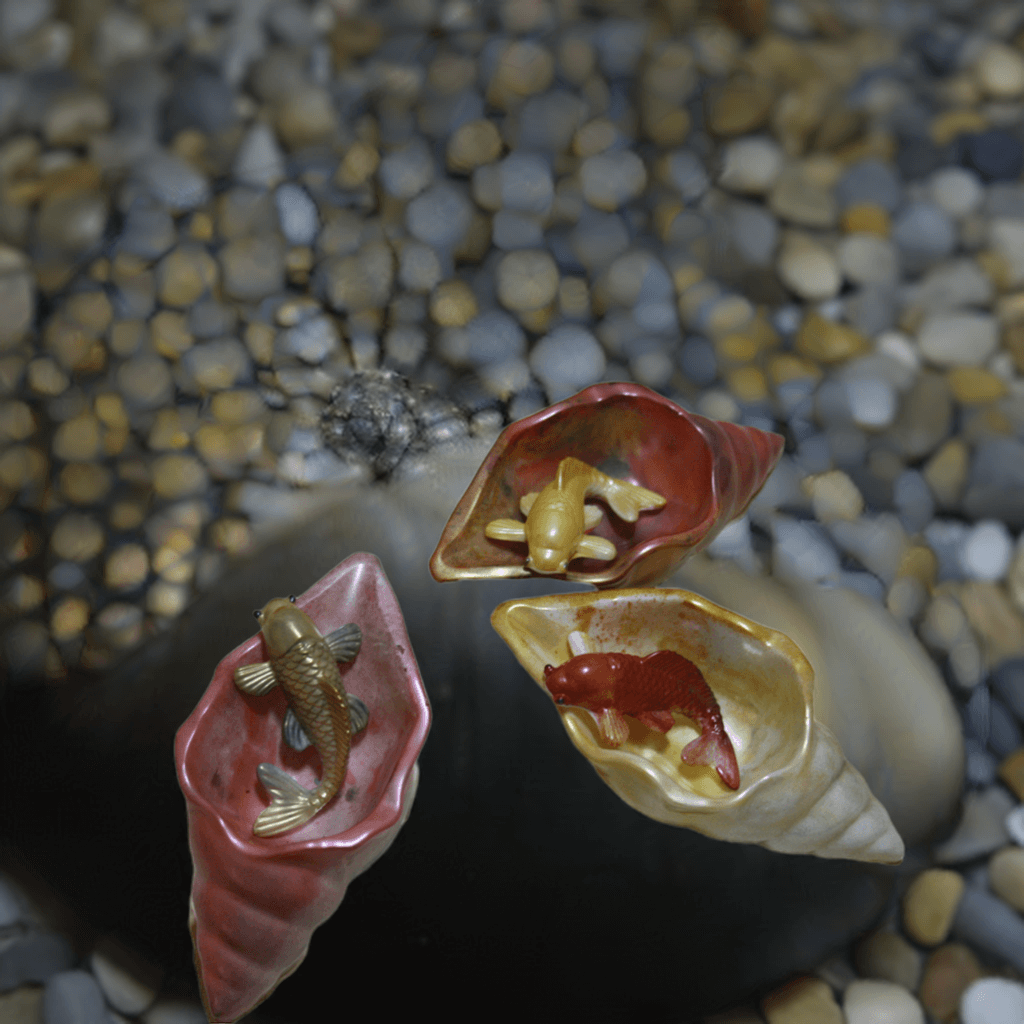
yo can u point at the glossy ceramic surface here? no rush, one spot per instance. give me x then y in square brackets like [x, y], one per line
[255, 902]
[707, 470]
[797, 794]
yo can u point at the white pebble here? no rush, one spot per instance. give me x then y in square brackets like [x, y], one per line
[611, 179]
[297, 214]
[956, 190]
[993, 1001]
[958, 338]
[1014, 824]
[750, 165]
[810, 271]
[259, 161]
[867, 259]
[987, 551]
[900, 347]
[880, 1002]
[872, 402]
[567, 360]
[802, 551]
[1000, 71]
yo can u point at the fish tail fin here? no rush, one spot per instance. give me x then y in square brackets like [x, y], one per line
[290, 805]
[627, 501]
[713, 748]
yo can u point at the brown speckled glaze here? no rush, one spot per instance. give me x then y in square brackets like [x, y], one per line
[707, 470]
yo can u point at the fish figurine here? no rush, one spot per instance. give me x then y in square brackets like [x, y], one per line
[557, 518]
[305, 664]
[614, 684]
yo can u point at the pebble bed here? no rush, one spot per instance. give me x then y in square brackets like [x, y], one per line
[806, 216]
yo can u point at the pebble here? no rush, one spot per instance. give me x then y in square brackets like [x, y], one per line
[924, 232]
[981, 828]
[407, 171]
[297, 214]
[809, 270]
[869, 181]
[834, 496]
[527, 280]
[802, 1001]
[949, 971]
[22, 1006]
[995, 487]
[173, 182]
[1008, 683]
[1011, 771]
[174, 1012]
[74, 997]
[252, 267]
[871, 1002]
[1006, 876]
[214, 366]
[33, 958]
[956, 190]
[178, 475]
[802, 551]
[525, 183]
[993, 1001]
[887, 956]
[990, 925]
[1006, 238]
[419, 268]
[1000, 71]
[612, 179]
[946, 472]
[996, 155]
[797, 198]
[472, 145]
[958, 338]
[1015, 825]
[750, 166]
[929, 905]
[987, 550]
[566, 360]
[185, 274]
[868, 259]
[439, 216]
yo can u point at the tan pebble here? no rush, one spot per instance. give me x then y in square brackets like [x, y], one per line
[785, 367]
[355, 36]
[120, 625]
[1011, 771]
[358, 165]
[993, 617]
[946, 471]
[166, 600]
[1006, 876]
[85, 483]
[171, 431]
[473, 144]
[22, 594]
[833, 496]
[175, 565]
[126, 336]
[594, 137]
[259, 340]
[730, 313]
[747, 383]
[305, 117]
[887, 956]
[945, 127]
[476, 242]
[77, 537]
[185, 275]
[92, 311]
[804, 1001]
[826, 341]
[17, 422]
[527, 280]
[224, 447]
[576, 58]
[231, 535]
[574, 297]
[973, 384]
[73, 347]
[201, 227]
[450, 73]
[175, 476]
[46, 378]
[930, 903]
[866, 217]
[73, 117]
[453, 304]
[21, 465]
[23, 1005]
[67, 620]
[12, 371]
[949, 971]
[77, 439]
[665, 123]
[110, 411]
[740, 106]
[126, 567]
[170, 333]
[919, 561]
[240, 406]
[523, 69]
[115, 441]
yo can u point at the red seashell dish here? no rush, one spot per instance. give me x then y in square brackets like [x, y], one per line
[256, 902]
[709, 471]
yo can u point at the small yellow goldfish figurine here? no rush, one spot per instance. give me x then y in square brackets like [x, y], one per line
[557, 519]
[305, 664]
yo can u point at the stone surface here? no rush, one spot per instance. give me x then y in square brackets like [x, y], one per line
[887, 956]
[33, 959]
[981, 829]
[990, 925]
[804, 1001]
[871, 1002]
[950, 970]
[930, 904]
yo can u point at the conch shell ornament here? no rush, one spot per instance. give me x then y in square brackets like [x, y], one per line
[798, 793]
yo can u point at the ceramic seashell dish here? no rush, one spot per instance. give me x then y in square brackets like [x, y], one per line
[798, 793]
[708, 471]
[255, 902]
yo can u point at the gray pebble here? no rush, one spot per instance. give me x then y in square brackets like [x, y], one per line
[925, 416]
[977, 714]
[74, 997]
[686, 172]
[214, 366]
[209, 318]
[868, 260]
[996, 483]
[33, 958]
[419, 268]
[200, 99]
[986, 922]
[404, 346]
[311, 340]
[297, 214]
[923, 231]
[512, 230]
[598, 238]
[20, 18]
[148, 231]
[802, 551]
[407, 171]
[619, 43]
[567, 360]
[494, 336]
[439, 216]
[1005, 735]
[1004, 199]
[252, 267]
[526, 183]
[980, 767]
[870, 181]
[877, 542]
[145, 382]
[814, 454]
[956, 283]
[259, 162]
[946, 537]
[1008, 683]
[848, 446]
[980, 829]
[548, 122]
[174, 182]
[913, 500]
[755, 233]
[697, 361]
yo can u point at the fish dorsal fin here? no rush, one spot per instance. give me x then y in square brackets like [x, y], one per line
[592, 515]
[345, 641]
[255, 679]
[613, 726]
[294, 735]
[505, 529]
[670, 661]
[526, 502]
[595, 547]
[660, 720]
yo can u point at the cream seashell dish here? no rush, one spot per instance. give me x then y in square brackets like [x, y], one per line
[798, 793]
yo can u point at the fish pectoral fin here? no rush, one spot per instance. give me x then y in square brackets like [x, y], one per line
[526, 502]
[294, 735]
[345, 641]
[627, 501]
[613, 726]
[505, 529]
[592, 515]
[255, 679]
[358, 713]
[660, 720]
[595, 547]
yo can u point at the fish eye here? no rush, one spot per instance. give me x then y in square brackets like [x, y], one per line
[256, 613]
[291, 597]
[559, 700]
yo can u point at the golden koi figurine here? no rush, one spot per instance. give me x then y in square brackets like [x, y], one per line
[319, 711]
[557, 519]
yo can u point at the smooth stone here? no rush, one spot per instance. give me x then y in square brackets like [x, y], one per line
[809, 270]
[750, 165]
[834, 496]
[923, 230]
[887, 956]
[872, 403]
[957, 283]
[988, 924]
[24, 1006]
[929, 905]
[1006, 876]
[567, 360]
[958, 338]
[548, 121]
[880, 1002]
[598, 238]
[1014, 824]
[995, 154]
[1008, 683]
[173, 182]
[869, 181]
[878, 543]
[825, 341]
[74, 997]
[1006, 237]
[493, 336]
[802, 551]
[802, 1001]
[297, 213]
[311, 340]
[755, 233]
[1000, 71]
[526, 183]
[949, 971]
[439, 216]
[977, 714]
[797, 199]
[913, 501]
[981, 829]
[512, 230]
[174, 1012]
[956, 190]
[611, 179]
[686, 173]
[867, 259]
[12, 908]
[987, 550]
[407, 171]
[148, 231]
[33, 958]
[527, 280]
[995, 487]
[419, 268]
[993, 1001]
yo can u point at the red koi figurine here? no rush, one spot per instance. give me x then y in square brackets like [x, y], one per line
[648, 689]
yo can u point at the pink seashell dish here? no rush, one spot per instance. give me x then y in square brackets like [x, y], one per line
[708, 472]
[255, 902]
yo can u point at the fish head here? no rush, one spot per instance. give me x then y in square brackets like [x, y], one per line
[581, 681]
[283, 625]
[546, 561]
